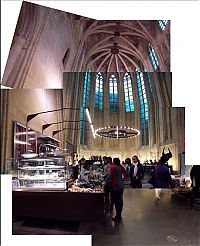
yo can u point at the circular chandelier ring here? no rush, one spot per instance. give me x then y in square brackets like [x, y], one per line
[117, 132]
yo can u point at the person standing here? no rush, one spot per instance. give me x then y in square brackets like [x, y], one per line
[107, 186]
[124, 164]
[117, 186]
[162, 177]
[110, 160]
[195, 177]
[128, 167]
[84, 169]
[136, 173]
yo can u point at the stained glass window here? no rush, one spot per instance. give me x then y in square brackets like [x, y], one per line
[113, 92]
[128, 93]
[162, 24]
[144, 111]
[153, 57]
[99, 92]
[86, 103]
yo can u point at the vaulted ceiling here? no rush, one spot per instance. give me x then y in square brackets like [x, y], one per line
[48, 42]
[121, 45]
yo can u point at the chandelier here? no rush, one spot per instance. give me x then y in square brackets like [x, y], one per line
[117, 132]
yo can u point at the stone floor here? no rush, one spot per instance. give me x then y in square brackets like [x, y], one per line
[145, 222]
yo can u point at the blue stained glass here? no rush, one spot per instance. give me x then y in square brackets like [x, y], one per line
[141, 98]
[162, 24]
[128, 92]
[99, 91]
[153, 57]
[113, 93]
[143, 106]
[86, 97]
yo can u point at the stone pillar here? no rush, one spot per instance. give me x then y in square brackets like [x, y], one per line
[72, 98]
[4, 128]
[31, 22]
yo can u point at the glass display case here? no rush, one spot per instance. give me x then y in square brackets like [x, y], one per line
[42, 184]
[41, 173]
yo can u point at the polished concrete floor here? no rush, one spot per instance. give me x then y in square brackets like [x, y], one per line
[145, 222]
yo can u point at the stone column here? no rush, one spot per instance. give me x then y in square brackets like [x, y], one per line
[4, 128]
[29, 27]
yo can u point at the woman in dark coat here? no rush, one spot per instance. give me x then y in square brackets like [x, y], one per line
[162, 177]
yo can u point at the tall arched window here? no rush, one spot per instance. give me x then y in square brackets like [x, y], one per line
[85, 104]
[150, 85]
[128, 93]
[153, 57]
[113, 92]
[144, 111]
[162, 24]
[153, 125]
[99, 92]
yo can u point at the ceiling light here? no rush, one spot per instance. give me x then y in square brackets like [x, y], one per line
[116, 132]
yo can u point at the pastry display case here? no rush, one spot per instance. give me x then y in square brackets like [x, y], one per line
[41, 173]
[43, 188]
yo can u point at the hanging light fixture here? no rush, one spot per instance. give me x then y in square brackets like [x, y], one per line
[117, 132]
[90, 121]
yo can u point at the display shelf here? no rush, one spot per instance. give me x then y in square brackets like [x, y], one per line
[41, 173]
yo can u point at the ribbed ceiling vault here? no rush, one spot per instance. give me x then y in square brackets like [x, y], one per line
[118, 46]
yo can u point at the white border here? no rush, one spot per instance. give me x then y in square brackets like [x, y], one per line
[185, 52]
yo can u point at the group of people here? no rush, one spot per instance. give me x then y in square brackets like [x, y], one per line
[114, 185]
[115, 173]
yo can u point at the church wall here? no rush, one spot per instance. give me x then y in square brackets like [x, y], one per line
[21, 103]
[44, 45]
[168, 136]
[47, 65]
[168, 125]
[163, 44]
[72, 98]
[48, 42]
[144, 153]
